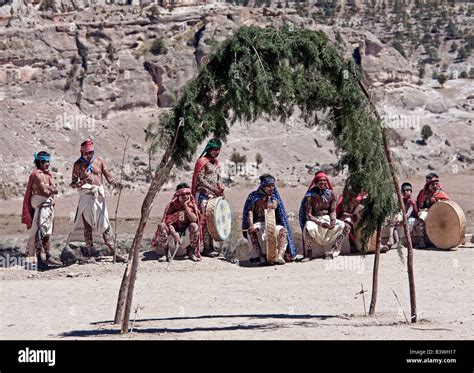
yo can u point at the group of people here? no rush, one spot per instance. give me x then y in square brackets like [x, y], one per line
[327, 222]
[91, 215]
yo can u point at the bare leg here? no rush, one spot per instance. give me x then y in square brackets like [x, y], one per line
[282, 245]
[160, 241]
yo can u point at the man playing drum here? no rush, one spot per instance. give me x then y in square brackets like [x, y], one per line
[431, 193]
[253, 222]
[425, 192]
[38, 212]
[322, 232]
[179, 227]
[207, 184]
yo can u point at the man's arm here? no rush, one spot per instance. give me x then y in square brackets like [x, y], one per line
[190, 213]
[309, 214]
[332, 211]
[250, 216]
[109, 176]
[77, 173]
[45, 188]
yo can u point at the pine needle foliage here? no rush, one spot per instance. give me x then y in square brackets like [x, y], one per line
[268, 71]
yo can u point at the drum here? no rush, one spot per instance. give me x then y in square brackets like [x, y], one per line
[445, 224]
[371, 244]
[219, 218]
[270, 236]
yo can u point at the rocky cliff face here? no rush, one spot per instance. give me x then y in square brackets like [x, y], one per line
[105, 71]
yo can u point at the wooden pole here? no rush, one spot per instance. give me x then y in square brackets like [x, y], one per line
[388, 154]
[118, 200]
[375, 274]
[124, 302]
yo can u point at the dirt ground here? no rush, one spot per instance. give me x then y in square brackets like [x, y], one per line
[215, 299]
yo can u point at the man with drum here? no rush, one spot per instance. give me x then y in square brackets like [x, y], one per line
[427, 197]
[207, 184]
[179, 232]
[323, 234]
[254, 224]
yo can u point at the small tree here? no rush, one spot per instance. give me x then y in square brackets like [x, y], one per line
[442, 78]
[399, 47]
[454, 47]
[158, 47]
[258, 159]
[426, 133]
[236, 157]
[462, 54]
[422, 71]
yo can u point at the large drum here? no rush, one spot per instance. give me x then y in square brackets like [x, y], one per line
[219, 218]
[445, 225]
[371, 244]
[270, 236]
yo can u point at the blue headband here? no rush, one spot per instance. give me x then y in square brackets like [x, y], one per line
[267, 181]
[42, 157]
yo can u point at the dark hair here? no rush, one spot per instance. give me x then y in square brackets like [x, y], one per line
[431, 175]
[406, 186]
[182, 186]
[265, 176]
[37, 162]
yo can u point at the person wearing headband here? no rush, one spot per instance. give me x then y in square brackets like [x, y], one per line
[180, 226]
[323, 233]
[92, 214]
[207, 184]
[431, 193]
[396, 234]
[253, 223]
[38, 212]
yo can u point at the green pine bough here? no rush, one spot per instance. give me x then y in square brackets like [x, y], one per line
[268, 71]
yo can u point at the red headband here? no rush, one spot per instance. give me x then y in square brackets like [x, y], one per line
[87, 146]
[182, 191]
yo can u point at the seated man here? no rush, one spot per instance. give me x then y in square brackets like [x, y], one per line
[179, 232]
[348, 210]
[395, 225]
[322, 232]
[253, 222]
[422, 194]
[431, 193]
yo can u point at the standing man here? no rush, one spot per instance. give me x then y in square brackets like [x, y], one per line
[38, 210]
[207, 184]
[92, 214]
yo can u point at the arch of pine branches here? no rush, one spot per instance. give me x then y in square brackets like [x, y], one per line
[267, 71]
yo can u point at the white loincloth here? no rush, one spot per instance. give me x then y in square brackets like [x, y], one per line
[92, 207]
[323, 239]
[261, 238]
[42, 220]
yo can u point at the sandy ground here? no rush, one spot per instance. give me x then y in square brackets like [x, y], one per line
[218, 300]
[215, 299]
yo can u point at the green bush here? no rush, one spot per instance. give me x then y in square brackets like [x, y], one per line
[442, 78]
[426, 132]
[158, 47]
